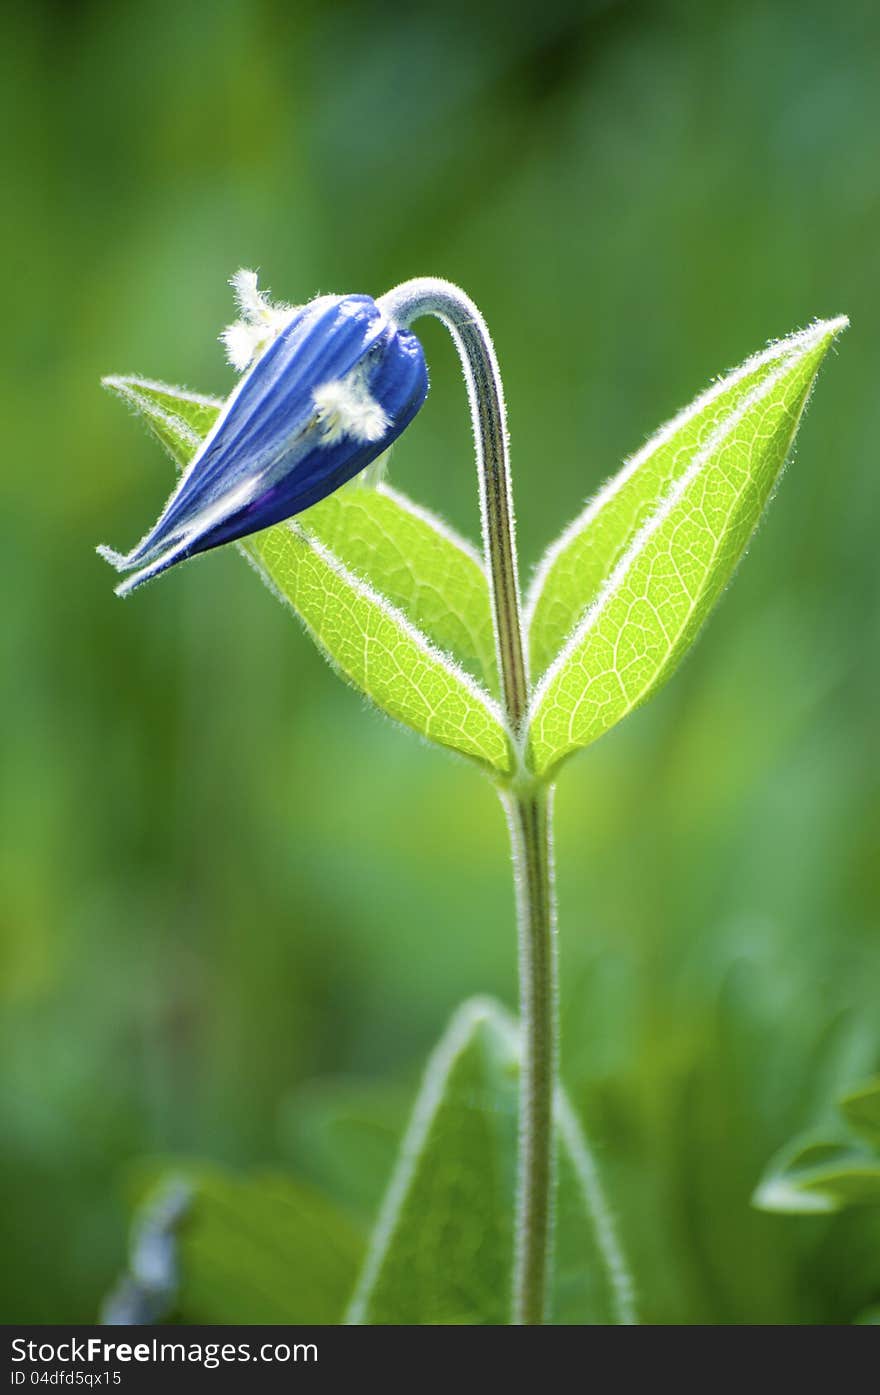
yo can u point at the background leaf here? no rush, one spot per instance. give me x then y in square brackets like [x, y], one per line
[441, 1251]
[861, 1110]
[661, 590]
[591, 1281]
[819, 1176]
[257, 1249]
[373, 644]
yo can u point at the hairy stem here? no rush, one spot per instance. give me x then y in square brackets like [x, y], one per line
[528, 805]
[427, 296]
[529, 819]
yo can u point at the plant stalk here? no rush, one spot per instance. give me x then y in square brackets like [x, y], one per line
[529, 818]
[528, 804]
[428, 296]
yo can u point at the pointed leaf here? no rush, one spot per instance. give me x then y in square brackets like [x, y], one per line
[418, 563]
[591, 1280]
[577, 565]
[652, 604]
[442, 1248]
[179, 418]
[377, 649]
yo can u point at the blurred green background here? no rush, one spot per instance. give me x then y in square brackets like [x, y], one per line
[229, 893]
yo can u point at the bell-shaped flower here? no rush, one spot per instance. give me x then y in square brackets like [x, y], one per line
[330, 385]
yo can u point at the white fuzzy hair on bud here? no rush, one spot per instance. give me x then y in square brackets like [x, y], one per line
[261, 321]
[253, 304]
[345, 408]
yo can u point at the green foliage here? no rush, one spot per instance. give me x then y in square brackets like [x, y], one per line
[370, 643]
[267, 1248]
[861, 1110]
[818, 1175]
[646, 562]
[443, 1242]
[178, 418]
[581, 561]
[381, 587]
[257, 1249]
[441, 1251]
[435, 578]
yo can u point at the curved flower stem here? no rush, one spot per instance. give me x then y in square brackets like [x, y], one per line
[527, 803]
[428, 296]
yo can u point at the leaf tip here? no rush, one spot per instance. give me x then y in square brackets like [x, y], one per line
[829, 329]
[819, 334]
[114, 382]
[780, 1197]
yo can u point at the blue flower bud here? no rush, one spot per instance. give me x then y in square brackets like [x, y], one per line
[334, 388]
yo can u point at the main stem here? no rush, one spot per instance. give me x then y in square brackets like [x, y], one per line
[529, 819]
[527, 804]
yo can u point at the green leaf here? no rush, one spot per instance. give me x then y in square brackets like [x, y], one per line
[671, 530]
[818, 1176]
[376, 648]
[258, 1249]
[861, 1109]
[576, 566]
[418, 563]
[179, 418]
[591, 1281]
[384, 589]
[442, 1248]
